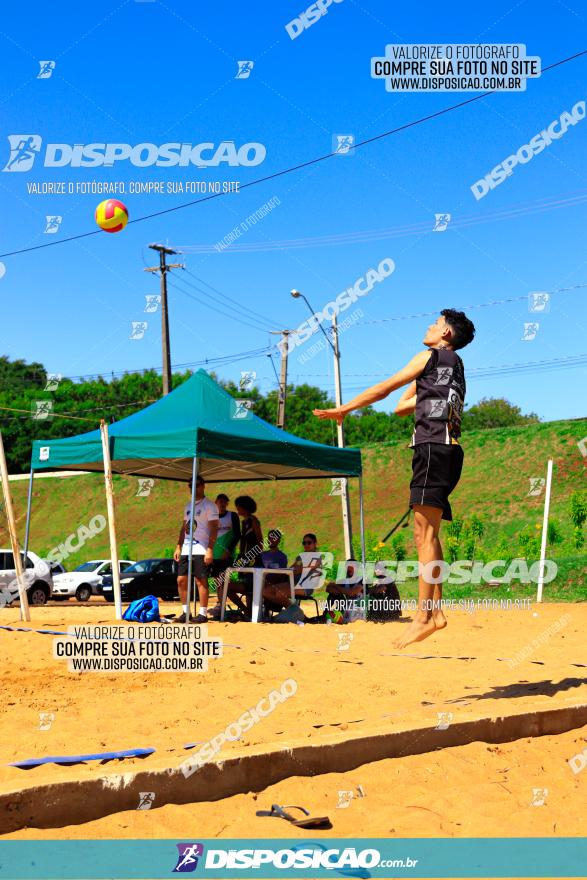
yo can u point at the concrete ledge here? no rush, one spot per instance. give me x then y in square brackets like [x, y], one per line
[75, 802]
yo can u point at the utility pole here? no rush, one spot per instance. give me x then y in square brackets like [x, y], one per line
[333, 343]
[344, 495]
[282, 378]
[163, 268]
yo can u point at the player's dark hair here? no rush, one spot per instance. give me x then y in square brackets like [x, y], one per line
[275, 534]
[246, 502]
[462, 329]
[311, 536]
[223, 496]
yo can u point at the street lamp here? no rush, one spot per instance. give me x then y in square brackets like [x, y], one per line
[296, 295]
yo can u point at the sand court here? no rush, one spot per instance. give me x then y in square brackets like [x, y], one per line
[420, 731]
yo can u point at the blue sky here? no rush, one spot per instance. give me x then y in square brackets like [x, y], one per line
[160, 72]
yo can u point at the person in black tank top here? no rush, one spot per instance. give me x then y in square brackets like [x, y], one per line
[435, 394]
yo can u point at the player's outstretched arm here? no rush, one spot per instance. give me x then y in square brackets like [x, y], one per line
[406, 405]
[409, 373]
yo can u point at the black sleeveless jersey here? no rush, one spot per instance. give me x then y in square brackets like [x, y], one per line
[440, 397]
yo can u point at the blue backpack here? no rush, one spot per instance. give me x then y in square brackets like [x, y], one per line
[143, 610]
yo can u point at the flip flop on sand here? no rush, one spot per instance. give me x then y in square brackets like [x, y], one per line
[311, 822]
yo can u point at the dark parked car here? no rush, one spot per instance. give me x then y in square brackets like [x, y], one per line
[149, 577]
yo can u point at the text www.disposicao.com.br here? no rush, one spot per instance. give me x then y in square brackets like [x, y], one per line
[135, 664]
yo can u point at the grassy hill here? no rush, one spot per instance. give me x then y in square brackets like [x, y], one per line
[499, 465]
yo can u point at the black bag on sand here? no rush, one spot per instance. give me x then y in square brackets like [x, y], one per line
[383, 603]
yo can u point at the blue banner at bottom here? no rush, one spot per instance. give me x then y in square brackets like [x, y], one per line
[277, 858]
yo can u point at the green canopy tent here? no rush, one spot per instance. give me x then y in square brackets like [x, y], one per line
[199, 428]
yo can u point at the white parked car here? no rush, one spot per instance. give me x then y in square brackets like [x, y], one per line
[37, 573]
[84, 581]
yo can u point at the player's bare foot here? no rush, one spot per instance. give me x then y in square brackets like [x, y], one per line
[418, 630]
[439, 619]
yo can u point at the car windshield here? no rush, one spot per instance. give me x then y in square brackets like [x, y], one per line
[88, 566]
[143, 566]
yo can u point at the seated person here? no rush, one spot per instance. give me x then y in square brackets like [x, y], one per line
[307, 571]
[342, 593]
[351, 587]
[274, 557]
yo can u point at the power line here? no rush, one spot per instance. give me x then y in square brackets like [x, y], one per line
[422, 227]
[207, 305]
[576, 360]
[293, 168]
[251, 312]
[494, 302]
[235, 310]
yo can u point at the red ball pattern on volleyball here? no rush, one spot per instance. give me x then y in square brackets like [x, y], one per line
[111, 215]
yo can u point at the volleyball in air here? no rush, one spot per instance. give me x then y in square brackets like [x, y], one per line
[111, 215]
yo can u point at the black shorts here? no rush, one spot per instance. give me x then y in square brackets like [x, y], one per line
[199, 568]
[219, 566]
[436, 470]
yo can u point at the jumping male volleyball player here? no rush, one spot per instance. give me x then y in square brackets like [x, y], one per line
[436, 394]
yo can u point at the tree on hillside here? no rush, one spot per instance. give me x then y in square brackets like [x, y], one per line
[495, 412]
[578, 511]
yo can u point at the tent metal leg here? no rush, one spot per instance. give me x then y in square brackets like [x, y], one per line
[194, 476]
[362, 521]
